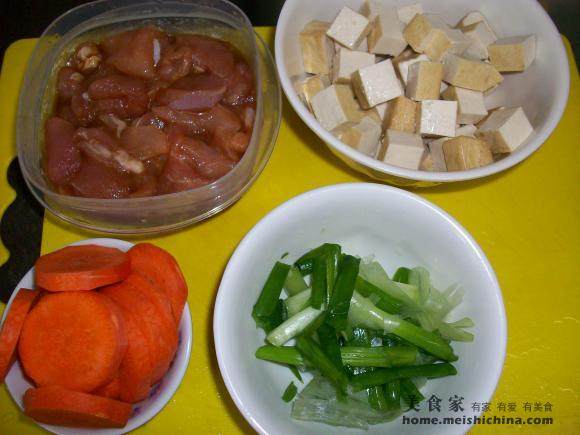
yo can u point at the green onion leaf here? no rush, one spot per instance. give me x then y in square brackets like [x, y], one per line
[290, 392]
[267, 310]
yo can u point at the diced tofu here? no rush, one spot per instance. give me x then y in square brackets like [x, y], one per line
[402, 115]
[348, 61]
[471, 104]
[386, 36]
[363, 46]
[310, 86]
[420, 28]
[317, 50]
[481, 37]
[363, 136]
[458, 44]
[438, 118]
[429, 34]
[466, 130]
[464, 152]
[335, 106]
[470, 74]
[475, 17]
[349, 28]
[436, 152]
[382, 110]
[402, 149]
[513, 54]
[505, 129]
[370, 9]
[427, 162]
[404, 65]
[424, 81]
[406, 13]
[376, 84]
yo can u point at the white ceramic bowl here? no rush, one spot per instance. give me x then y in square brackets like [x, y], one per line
[542, 89]
[401, 229]
[143, 411]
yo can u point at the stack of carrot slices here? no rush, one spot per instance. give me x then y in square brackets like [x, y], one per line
[97, 334]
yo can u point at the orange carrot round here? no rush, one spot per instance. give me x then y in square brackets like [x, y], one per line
[136, 370]
[112, 390]
[160, 268]
[12, 326]
[59, 406]
[161, 335]
[83, 267]
[73, 339]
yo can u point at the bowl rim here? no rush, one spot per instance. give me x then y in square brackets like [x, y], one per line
[302, 200]
[146, 201]
[170, 388]
[341, 148]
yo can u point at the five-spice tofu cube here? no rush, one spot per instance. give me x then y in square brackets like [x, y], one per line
[408, 12]
[349, 28]
[475, 17]
[437, 118]
[371, 9]
[429, 34]
[512, 54]
[402, 115]
[481, 37]
[363, 46]
[403, 65]
[470, 74]
[335, 106]
[402, 149]
[317, 49]
[347, 62]
[386, 36]
[435, 159]
[363, 136]
[464, 152]
[310, 86]
[376, 84]
[466, 130]
[424, 81]
[505, 130]
[471, 104]
[382, 110]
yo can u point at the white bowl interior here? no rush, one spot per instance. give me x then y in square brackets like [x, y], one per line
[143, 411]
[542, 89]
[401, 229]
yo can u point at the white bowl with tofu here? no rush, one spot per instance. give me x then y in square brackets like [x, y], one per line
[392, 117]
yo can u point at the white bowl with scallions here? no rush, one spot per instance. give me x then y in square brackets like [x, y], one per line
[377, 299]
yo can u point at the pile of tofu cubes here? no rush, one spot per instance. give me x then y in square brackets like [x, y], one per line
[403, 86]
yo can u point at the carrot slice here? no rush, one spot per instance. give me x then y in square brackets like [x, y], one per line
[73, 339]
[136, 370]
[112, 390]
[160, 268]
[160, 300]
[59, 406]
[10, 332]
[161, 335]
[156, 296]
[83, 267]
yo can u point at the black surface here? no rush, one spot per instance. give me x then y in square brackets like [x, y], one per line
[21, 226]
[20, 231]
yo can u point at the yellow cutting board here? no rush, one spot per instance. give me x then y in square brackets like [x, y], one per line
[527, 220]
